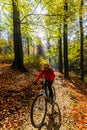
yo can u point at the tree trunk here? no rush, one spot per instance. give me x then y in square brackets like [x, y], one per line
[28, 46]
[48, 47]
[18, 52]
[81, 42]
[66, 68]
[60, 54]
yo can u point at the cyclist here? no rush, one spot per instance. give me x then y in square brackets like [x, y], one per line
[49, 77]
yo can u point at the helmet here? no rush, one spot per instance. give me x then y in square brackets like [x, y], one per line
[46, 65]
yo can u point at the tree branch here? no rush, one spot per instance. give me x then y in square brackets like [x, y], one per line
[49, 15]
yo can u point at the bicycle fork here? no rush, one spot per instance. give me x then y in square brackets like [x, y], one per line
[41, 104]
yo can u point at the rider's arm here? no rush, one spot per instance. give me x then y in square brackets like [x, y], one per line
[53, 75]
[39, 76]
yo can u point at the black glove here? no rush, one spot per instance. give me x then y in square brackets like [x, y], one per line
[34, 82]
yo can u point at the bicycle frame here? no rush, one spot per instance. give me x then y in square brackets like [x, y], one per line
[39, 107]
[42, 92]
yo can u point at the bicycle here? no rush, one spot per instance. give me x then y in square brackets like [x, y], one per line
[39, 106]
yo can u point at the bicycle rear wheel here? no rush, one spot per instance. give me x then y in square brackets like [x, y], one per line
[54, 93]
[38, 111]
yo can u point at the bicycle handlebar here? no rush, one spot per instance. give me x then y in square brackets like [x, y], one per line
[36, 83]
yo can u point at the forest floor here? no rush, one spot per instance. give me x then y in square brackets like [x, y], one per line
[17, 94]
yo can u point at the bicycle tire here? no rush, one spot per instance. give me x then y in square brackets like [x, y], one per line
[56, 115]
[54, 93]
[36, 120]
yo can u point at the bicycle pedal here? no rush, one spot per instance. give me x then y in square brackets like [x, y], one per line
[47, 99]
[52, 102]
[40, 108]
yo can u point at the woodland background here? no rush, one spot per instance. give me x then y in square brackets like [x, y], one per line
[33, 32]
[52, 30]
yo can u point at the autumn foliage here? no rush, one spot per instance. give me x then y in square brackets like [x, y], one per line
[17, 93]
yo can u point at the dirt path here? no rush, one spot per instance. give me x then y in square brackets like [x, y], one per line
[64, 102]
[16, 96]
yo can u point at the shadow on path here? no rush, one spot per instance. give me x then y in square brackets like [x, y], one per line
[54, 119]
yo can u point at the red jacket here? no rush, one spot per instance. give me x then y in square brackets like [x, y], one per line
[48, 75]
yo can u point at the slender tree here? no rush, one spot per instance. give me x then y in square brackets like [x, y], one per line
[60, 53]
[18, 52]
[66, 68]
[48, 47]
[28, 46]
[81, 41]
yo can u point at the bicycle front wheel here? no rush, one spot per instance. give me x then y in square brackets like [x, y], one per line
[38, 111]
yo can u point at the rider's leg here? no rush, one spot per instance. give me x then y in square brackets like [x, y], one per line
[50, 89]
[48, 83]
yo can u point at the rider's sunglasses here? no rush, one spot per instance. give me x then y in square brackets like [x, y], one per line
[45, 67]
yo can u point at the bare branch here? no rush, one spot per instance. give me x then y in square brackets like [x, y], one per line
[32, 11]
[49, 15]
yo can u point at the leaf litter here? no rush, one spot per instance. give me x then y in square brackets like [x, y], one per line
[17, 93]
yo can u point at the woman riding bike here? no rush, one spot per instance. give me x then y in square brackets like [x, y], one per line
[49, 77]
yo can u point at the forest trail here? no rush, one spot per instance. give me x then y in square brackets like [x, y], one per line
[63, 101]
[17, 94]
